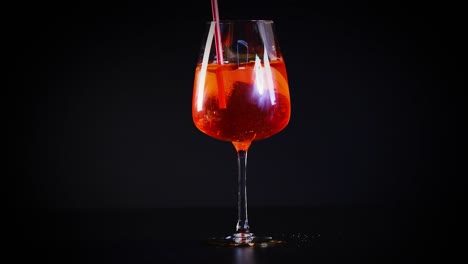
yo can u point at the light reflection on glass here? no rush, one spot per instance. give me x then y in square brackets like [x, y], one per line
[244, 255]
[202, 77]
[264, 78]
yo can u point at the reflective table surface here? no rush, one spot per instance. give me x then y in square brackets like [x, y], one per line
[181, 235]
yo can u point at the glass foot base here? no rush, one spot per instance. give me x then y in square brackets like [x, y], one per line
[245, 240]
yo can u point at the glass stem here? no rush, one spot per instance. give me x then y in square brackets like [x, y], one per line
[242, 222]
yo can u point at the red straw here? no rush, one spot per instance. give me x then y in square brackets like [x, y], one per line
[219, 48]
[219, 55]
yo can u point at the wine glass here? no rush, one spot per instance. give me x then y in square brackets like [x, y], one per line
[240, 95]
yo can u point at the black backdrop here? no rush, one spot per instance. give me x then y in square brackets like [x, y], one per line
[101, 116]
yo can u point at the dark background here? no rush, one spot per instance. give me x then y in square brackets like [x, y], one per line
[101, 117]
